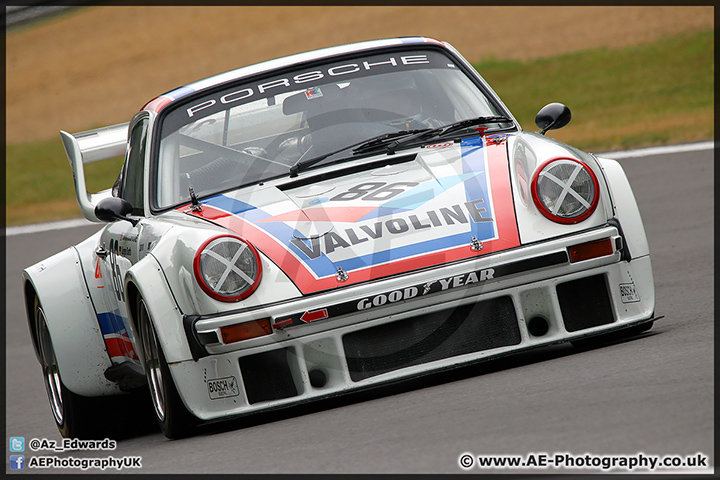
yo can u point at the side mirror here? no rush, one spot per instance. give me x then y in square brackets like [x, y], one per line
[113, 208]
[552, 117]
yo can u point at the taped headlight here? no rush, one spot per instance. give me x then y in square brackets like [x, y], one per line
[565, 190]
[228, 268]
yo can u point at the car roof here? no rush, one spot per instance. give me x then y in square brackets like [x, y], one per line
[161, 101]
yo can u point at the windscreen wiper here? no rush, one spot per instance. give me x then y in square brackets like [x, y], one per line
[394, 140]
[360, 146]
[409, 135]
[444, 131]
[470, 122]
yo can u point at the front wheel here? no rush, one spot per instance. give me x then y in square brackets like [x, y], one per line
[174, 419]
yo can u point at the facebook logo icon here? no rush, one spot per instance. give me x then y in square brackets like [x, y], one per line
[17, 462]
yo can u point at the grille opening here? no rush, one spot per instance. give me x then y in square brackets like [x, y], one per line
[426, 338]
[585, 303]
[267, 376]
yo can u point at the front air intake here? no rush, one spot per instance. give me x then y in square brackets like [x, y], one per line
[266, 376]
[585, 303]
[414, 341]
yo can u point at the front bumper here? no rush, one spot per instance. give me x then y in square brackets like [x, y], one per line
[413, 324]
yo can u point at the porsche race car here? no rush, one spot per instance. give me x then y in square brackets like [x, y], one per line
[323, 223]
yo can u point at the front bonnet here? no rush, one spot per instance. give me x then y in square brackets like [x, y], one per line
[439, 204]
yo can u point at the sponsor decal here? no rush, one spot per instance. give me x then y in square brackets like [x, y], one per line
[439, 285]
[456, 214]
[324, 73]
[427, 288]
[628, 293]
[129, 237]
[225, 387]
[115, 251]
[313, 93]
[98, 272]
[117, 338]
[376, 229]
[439, 145]
[498, 139]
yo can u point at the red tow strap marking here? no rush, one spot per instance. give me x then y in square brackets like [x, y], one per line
[308, 317]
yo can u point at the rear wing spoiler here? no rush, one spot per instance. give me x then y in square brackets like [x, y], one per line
[93, 146]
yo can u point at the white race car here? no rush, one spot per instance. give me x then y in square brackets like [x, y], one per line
[326, 222]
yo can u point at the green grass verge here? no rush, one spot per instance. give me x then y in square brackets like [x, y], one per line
[39, 182]
[654, 94]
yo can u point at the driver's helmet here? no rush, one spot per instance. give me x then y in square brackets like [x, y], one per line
[398, 108]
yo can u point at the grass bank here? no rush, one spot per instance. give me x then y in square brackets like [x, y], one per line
[654, 94]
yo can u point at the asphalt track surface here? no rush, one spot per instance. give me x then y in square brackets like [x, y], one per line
[652, 394]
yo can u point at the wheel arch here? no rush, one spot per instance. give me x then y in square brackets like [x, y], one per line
[30, 294]
[132, 295]
[72, 322]
[625, 207]
[146, 280]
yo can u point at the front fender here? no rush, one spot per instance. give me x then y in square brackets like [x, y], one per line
[625, 207]
[72, 321]
[146, 279]
[175, 254]
[527, 151]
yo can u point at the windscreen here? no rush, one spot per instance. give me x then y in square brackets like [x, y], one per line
[253, 132]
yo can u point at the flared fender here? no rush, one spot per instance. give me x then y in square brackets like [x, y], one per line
[72, 321]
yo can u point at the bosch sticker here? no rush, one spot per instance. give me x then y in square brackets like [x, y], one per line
[219, 388]
[628, 293]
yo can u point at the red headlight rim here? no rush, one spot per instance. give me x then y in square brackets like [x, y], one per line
[546, 212]
[212, 293]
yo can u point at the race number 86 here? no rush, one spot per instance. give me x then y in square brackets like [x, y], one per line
[374, 191]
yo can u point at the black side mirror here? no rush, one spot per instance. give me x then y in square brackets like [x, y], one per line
[113, 208]
[552, 117]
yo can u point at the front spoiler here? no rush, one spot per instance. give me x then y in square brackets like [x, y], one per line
[321, 345]
[430, 371]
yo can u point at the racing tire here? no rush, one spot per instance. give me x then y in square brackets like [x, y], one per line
[76, 416]
[174, 419]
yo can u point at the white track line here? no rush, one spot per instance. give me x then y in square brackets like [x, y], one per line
[44, 227]
[690, 147]
[643, 152]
